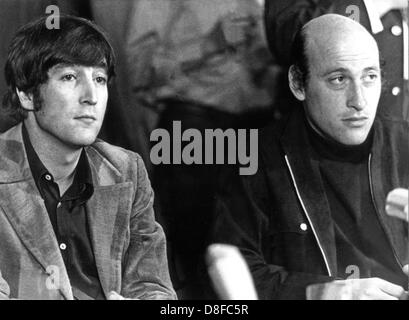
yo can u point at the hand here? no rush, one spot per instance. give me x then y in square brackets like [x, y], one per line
[115, 296]
[406, 269]
[356, 289]
[384, 6]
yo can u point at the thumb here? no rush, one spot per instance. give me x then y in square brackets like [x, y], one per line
[406, 269]
[115, 296]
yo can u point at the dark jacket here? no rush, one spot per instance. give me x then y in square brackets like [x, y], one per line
[280, 217]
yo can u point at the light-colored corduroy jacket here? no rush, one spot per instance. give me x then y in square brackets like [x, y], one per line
[128, 244]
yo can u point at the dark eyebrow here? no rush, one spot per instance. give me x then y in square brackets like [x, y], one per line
[63, 65]
[102, 68]
[375, 68]
[345, 70]
[342, 70]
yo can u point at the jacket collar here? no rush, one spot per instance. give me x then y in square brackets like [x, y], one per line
[23, 205]
[389, 147]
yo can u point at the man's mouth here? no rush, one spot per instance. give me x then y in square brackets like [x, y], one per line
[355, 121]
[88, 119]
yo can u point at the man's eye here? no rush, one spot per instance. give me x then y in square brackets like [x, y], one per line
[68, 77]
[101, 80]
[337, 80]
[371, 77]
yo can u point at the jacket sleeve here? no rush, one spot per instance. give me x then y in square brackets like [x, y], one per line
[146, 273]
[241, 220]
[283, 18]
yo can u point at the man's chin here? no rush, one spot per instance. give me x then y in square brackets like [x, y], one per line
[355, 139]
[83, 142]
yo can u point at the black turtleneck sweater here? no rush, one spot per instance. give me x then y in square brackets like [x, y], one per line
[363, 249]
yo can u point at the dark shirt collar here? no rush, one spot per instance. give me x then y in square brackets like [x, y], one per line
[331, 149]
[82, 180]
[82, 183]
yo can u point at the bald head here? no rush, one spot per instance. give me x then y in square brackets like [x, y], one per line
[331, 32]
[334, 27]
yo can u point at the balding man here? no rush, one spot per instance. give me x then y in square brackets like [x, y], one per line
[314, 212]
[386, 20]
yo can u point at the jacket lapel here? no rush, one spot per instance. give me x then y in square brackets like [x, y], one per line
[108, 216]
[307, 180]
[26, 212]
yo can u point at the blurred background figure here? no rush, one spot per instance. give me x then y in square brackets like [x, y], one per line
[206, 64]
[387, 20]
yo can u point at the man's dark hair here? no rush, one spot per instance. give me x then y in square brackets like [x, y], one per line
[35, 49]
[299, 57]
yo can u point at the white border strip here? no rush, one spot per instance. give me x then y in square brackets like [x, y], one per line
[405, 35]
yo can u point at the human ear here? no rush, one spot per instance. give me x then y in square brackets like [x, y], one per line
[26, 100]
[296, 82]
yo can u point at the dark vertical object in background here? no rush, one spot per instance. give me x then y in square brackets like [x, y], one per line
[186, 200]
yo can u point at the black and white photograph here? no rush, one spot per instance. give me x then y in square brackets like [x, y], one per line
[198, 152]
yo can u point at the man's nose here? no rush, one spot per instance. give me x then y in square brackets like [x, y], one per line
[356, 97]
[89, 91]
